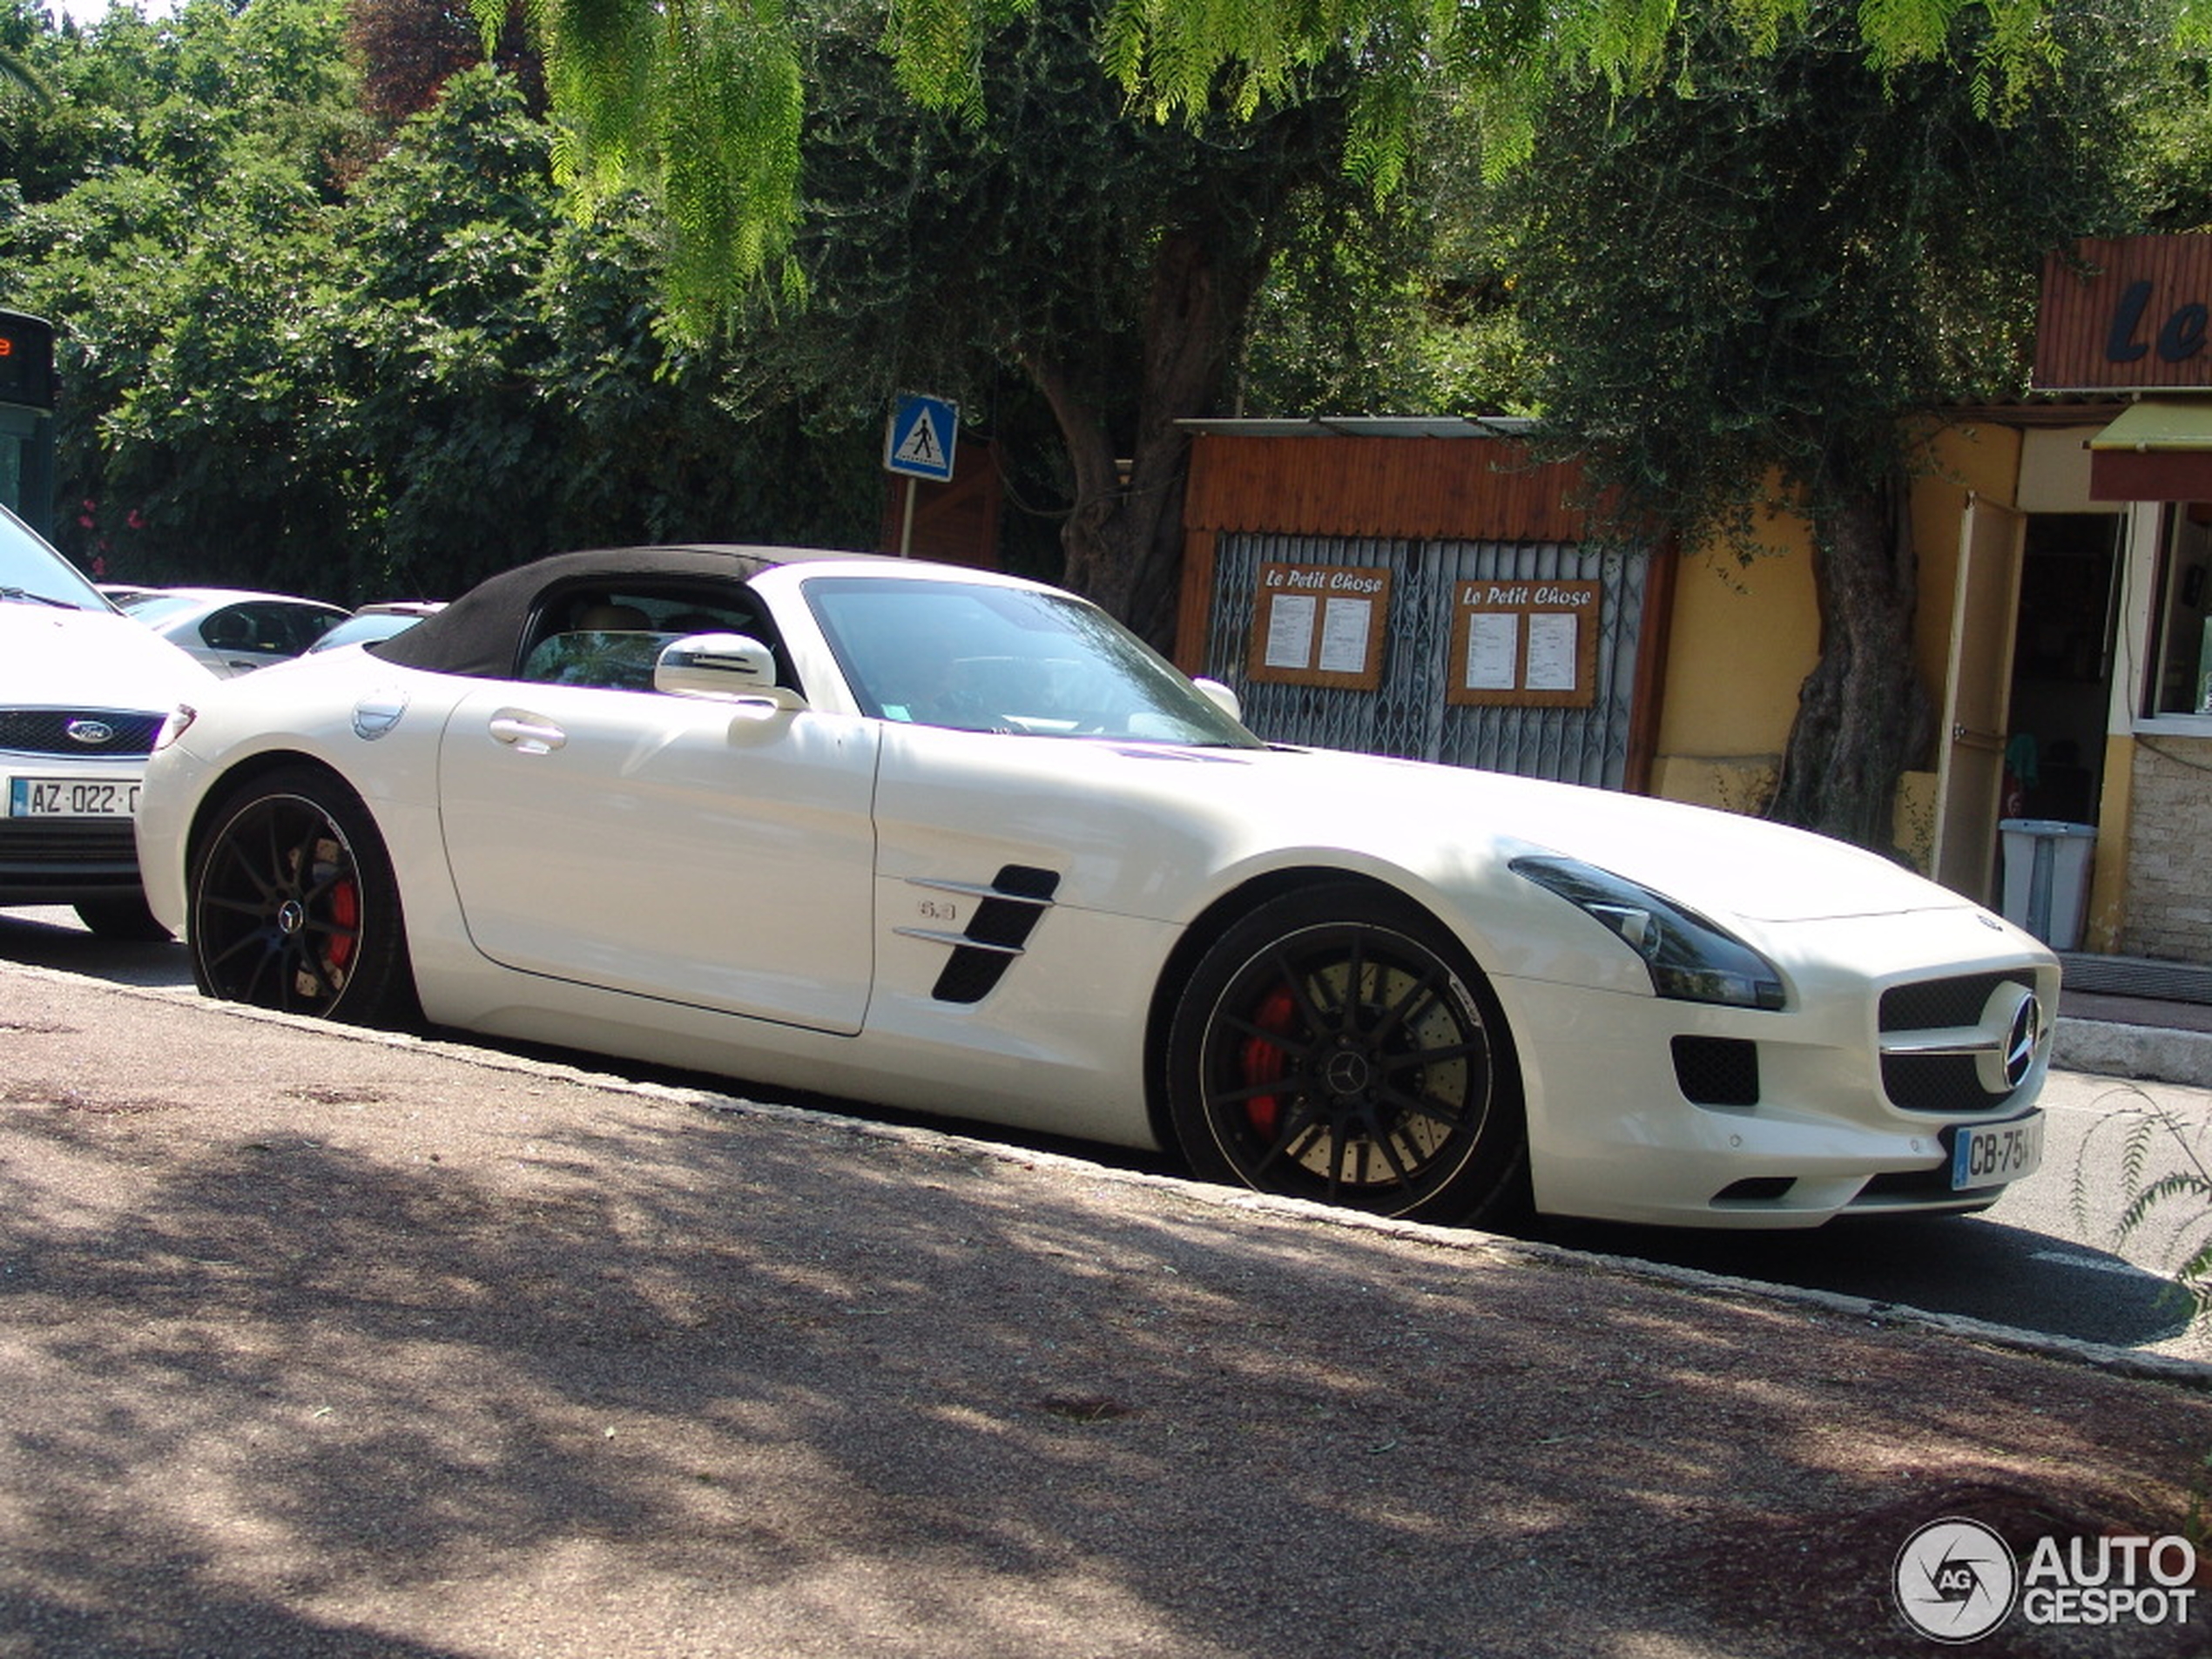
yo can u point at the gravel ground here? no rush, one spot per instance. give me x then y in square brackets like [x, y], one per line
[319, 1342]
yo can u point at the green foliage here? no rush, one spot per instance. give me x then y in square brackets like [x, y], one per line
[2169, 164]
[1763, 273]
[1404, 306]
[699, 102]
[2165, 1178]
[702, 102]
[358, 382]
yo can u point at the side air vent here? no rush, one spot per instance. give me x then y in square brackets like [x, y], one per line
[1007, 911]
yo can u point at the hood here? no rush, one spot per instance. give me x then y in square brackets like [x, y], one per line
[93, 659]
[1717, 862]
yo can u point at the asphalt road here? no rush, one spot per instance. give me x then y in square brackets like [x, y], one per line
[2048, 1257]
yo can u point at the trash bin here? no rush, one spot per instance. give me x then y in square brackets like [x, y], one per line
[2046, 877]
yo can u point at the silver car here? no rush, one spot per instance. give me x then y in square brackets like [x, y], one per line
[234, 631]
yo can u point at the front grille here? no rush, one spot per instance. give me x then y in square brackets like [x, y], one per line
[1947, 1083]
[1934, 1004]
[46, 731]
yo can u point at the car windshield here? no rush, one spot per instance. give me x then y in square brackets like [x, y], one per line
[985, 658]
[155, 608]
[31, 572]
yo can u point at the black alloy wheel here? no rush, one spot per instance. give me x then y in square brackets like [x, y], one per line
[1336, 1045]
[292, 904]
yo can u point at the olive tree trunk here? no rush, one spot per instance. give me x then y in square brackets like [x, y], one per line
[1864, 717]
[1122, 541]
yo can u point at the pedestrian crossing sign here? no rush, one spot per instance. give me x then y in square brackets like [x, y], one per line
[919, 441]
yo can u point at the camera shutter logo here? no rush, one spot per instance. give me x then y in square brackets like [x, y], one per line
[1955, 1581]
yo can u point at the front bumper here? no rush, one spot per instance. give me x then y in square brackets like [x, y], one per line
[1644, 1109]
[66, 860]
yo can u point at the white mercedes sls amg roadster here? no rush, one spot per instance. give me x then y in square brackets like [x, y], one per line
[949, 840]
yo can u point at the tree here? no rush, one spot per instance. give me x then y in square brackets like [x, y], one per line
[497, 375]
[1054, 254]
[1743, 288]
[292, 358]
[407, 50]
[705, 102]
[706, 106]
[204, 156]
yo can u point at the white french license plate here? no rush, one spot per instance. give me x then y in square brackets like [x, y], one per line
[72, 797]
[1989, 1154]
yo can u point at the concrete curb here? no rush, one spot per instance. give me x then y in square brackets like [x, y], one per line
[2111, 1360]
[2150, 1053]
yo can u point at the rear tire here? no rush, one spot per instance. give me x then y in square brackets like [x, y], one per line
[1337, 1044]
[292, 904]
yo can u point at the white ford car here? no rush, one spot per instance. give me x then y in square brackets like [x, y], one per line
[83, 692]
[955, 841]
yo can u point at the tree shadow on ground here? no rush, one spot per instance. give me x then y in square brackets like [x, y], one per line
[804, 1387]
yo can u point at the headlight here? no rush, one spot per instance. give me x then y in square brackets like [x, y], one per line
[1688, 958]
[180, 721]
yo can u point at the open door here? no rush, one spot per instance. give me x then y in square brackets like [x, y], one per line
[1970, 778]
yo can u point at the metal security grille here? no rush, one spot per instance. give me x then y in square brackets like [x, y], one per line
[1409, 715]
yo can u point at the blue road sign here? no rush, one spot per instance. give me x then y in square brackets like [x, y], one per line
[919, 441]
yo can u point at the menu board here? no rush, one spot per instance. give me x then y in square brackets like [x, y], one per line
[1320, 624]
[1524, 643]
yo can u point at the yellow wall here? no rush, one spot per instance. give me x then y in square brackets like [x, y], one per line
[1743, 637]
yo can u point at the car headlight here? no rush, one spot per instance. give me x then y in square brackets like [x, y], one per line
[1688, 958]
[180, 721]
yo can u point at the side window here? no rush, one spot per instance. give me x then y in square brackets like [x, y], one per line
[229, 628]
[613, 637]
[300, 628]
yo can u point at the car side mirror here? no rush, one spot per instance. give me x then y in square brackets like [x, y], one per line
[1222, 697]
[726, 665]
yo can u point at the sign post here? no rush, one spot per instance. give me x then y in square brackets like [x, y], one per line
[917, 444]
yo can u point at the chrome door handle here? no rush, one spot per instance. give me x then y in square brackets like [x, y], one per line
[528, 733]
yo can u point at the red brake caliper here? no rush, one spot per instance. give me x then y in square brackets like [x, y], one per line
[1265, 1062]
[345, 914]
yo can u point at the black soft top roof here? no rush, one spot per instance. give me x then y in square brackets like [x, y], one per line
[481, 632]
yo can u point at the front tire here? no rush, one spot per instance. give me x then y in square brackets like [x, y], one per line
[292, 904]
[1338, 1045]
[121, 918]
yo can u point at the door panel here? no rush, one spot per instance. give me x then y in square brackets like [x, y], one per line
[681, 848]
[1977, 698]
